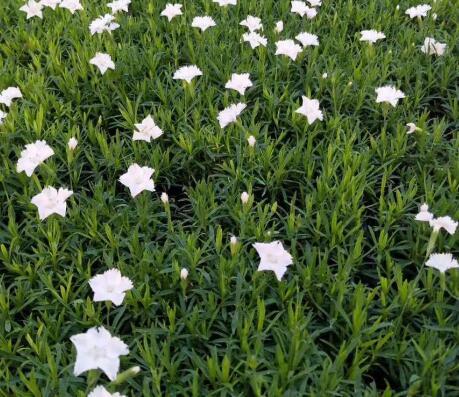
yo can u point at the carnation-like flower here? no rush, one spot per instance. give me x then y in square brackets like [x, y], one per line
[418, 11]
[279, 27]
[288, 48]
[137, 179]
[72, 143]
[103, 24]
[251, 140]
[51, 201]
[9, 94]
[119, 5]
[230, 114]
[442, 262]
[433, 47]
[171, 11]
[32, 156]
[444, 222]
[239, 82]
[273, 257]
[203, 23]
[412, 128]
[147, 130]
[300, 8]
[33, 9]
[307, 39]
[103, 62]
[252, 23]
[424, 215]
[224, 3]
[245, 197]
[97, 349]
[110, 286]
[255, 39]
[50, 3]
[372, 36]
[187, 73]
[389, 94]
[101, 391]
[310, 109]
[71, 5]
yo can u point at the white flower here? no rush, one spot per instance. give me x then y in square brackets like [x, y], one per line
[307, 39]
[71, 5]
[288, 48]
[252, 23]
[119, 5]
[255, 39]
[147, 130]
[412, 128]
[32, 156]
[203, 23]
[187, 73]
[324, 75]
[183, 274]
[138, 179]
[230, 114]
[103, 24]
[389, 94]
[233, 240]
[239, 82]
[103, 62]
[101, 391]
[279, 27]
[51, 201]
[245, 197]
[2, 116]
[300, 7]
[110, 286]
[310, 109]
[164, 198]
[444, 222]
[442, 262]
[171, 11]
[72, 143]
[97, 349]
[224, 3]
[251, 139]
[273, 257]
[33, 9]
[418, 11]
[50, 3]
[372, 36]
[424, 214]
[433, 47]
[434, 16]
[9, 94]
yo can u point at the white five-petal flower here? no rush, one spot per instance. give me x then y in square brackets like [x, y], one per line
[32, 156]
[203, 23]
[33, 9]
[119, 5]
[239, 82]
[51, 201]
[300, 8]
[310, 109]
[288, 48]
[444, 222]
[418, 11]
[433, 47]
[110, 286]
[255, 39]
[307, 39]
[146, 130]
[442, 262]
[171, 11]
[9, 94]
[230, 114]
[252, 23]
[388, 94]
[372, 36]
[103, 24]
[138, 179]
[187, 73]
[97, 349]
[71, 5]
[103, 62]
[273, 257]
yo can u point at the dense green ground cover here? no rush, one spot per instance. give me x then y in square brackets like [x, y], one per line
[357, 314]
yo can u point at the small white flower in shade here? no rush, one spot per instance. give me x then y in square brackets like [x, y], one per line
[255, 39]
[33, 9]
[444, 222]
[147, 130]
[230, 114]
[411, 127]
[224, 3]
[245, 197]
[98, 349]
[119, 5]
[71, 5]
[51, 201]
[324, 75]
[288, 48]
[252, 23]
[442, 262]
[388, 94]
[171, 11]
[418, 11]
[187, 73]
[300, 8]
[184, 274]
[2, 116]
[50, 3]
[233, 240]
[310, 109]
[138, 179]
[203, 23]
[32, 156]
[9, 94]
[103, 24]
[164, 198]
[279, 27]
[103, 62]
[273, 257]
[101, 391]
[307, 39]
[372, 36]
[239, 82]
[424, 215]
[315, 3]
[72, 143]
[110, 286]
[251, 140]
[433, 47]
